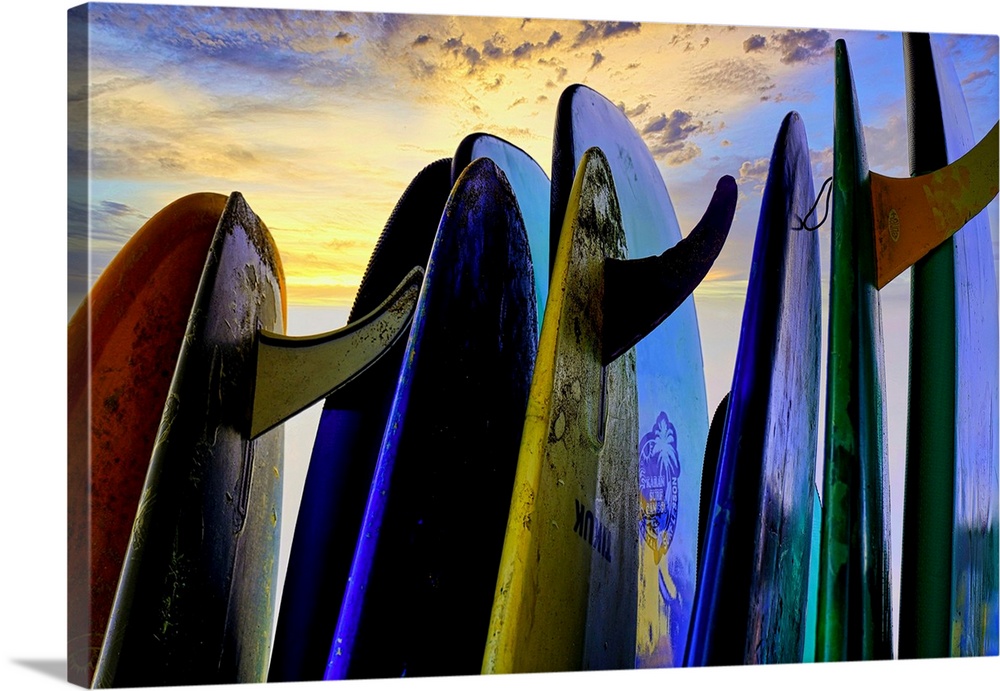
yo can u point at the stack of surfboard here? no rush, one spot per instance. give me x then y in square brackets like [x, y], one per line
[513, 470]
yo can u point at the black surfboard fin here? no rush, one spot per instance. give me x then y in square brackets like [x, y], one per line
[640, 293]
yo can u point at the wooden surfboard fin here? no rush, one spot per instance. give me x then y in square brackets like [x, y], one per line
[640, 293]
[293, 372]
[914, 215]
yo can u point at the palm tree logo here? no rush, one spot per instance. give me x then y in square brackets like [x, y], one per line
[659, 470]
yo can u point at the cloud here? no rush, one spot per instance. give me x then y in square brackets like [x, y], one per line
[422, 39]
[755, 42]
[976, 76]
[635, 112]
[687, 152]
[667, 135]
[598, 59]
[753, 174]
[598, 31]
[472, 56]
[801, 46]
[887, 147]
[491, 50]
[523, 51]
[731, 76]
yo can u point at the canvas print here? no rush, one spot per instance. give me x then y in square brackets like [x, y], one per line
[544, 345]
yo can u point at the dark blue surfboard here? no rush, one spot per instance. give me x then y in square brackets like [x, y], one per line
[346, 447]
[750, 603]
[531, 189]
[421, 582]
[669, 373]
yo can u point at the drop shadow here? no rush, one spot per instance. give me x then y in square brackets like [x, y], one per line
[50, 668]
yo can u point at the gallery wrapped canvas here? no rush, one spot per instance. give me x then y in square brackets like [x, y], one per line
[428, 345]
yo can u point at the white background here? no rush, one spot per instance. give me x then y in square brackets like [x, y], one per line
[33, 379]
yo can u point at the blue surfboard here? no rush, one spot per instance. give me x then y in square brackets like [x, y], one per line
[531, 189]
[427, 553]
[673, 408]
[346, 447]
[750, 603]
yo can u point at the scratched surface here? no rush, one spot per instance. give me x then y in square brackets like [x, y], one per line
[346, 447]
[672, 424]
[136, 313]
[566, 591]
[750, 602]
[531, 189]
[428, 551]
[196, 597]
[854, 618]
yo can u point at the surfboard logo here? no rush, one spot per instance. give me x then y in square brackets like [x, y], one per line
[659, 470]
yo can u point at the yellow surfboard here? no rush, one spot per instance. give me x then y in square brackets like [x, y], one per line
[566, 591]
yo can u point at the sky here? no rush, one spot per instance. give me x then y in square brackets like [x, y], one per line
[320, 119]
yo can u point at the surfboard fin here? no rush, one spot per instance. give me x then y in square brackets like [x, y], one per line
[293, 372]
[914, 215]
[640, 293]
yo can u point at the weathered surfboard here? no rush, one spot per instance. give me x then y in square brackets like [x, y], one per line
[123, 344]
[575, 502]
[428, 550]
[672, 418]
[195, 599]
[750, 603]
[566, 591]
[346, 447]
[949, 582]
[854, 618]
[531, 189]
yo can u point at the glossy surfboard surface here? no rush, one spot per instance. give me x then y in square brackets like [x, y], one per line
[531, 189]
[949, 587]
[672, 422]
[347, 445]
[566, 591]
[195, 600]
[134, 320]
[854, 620]
[750, 603]
[428, 550]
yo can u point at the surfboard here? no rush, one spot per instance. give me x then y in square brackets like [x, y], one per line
[195, 598]
[346, 447]
[854, 619]
[949, 580]
[123, 343]
[750, 602]
[531, 189]
[669, 374]
[428, 550]
[566, 592]
[575, 503]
